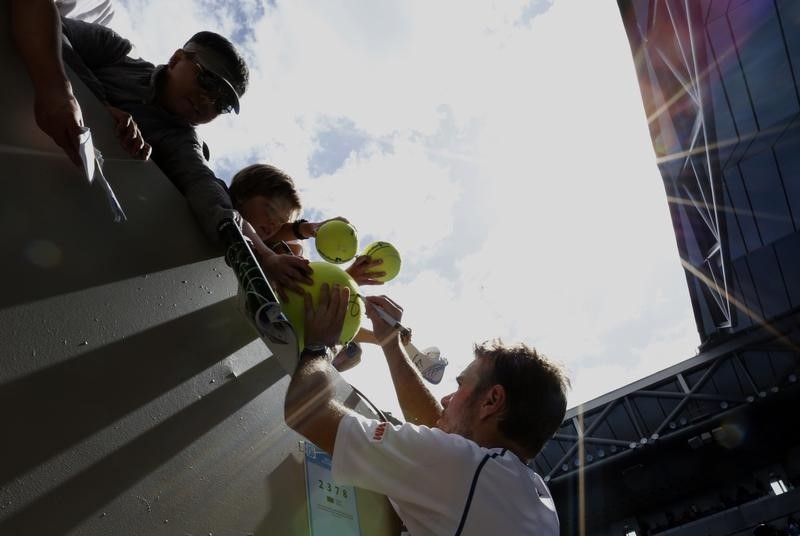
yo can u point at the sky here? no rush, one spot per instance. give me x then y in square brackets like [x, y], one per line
[502, 147]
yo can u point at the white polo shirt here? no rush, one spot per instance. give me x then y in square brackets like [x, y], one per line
[443, 484]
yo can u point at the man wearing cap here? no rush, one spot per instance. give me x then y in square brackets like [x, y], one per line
[160, 104]
[154, 106]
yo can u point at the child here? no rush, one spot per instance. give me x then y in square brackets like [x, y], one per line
[268, 201]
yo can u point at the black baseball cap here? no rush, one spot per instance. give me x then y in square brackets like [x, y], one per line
[218, 65]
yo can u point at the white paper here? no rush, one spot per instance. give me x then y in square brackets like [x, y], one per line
[113, 203]
[86, 150]
[430, 362]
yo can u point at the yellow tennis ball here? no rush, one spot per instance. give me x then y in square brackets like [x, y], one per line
[337, 241]
[294, 306]
[390, 256]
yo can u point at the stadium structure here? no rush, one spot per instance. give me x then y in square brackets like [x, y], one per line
[134, 400]
[710, 445]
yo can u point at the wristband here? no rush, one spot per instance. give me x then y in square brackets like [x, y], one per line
[296, 229]
[314, 350]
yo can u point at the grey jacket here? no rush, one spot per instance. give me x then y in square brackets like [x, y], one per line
[100, 57]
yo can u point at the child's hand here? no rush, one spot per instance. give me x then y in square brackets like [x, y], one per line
[361, 272]
[285, 272]
[309, 229]
[130, 137]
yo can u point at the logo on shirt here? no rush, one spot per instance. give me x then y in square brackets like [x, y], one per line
[377, 435]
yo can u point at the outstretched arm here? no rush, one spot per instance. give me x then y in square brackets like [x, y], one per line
[417, 402]
[283, 271]
[365, 270]
[36, 28]
[310, 408]
[304, 230]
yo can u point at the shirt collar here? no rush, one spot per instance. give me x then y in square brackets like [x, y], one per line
[156, 78]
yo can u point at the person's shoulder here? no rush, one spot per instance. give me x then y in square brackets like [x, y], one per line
[111, 43]
[381, 431]
[442, 445]
[95, 29]
[175, 133]
[98, 11]
[177, 149]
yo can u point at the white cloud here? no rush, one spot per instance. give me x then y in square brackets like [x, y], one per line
[670, 345]
[401, 197]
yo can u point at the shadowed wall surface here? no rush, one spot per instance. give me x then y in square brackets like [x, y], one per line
[134, 396]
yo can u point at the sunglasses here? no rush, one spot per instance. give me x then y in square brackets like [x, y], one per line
[216, 88]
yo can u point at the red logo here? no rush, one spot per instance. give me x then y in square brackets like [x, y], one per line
[379, 431]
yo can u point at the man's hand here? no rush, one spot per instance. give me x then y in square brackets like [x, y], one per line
[361, 270]
[417, 402]
[384, 332]
[129, 135]
[36, 28]
[323, 325]
[285, 272]
[58, 114]
[405, 337]
[310, 407]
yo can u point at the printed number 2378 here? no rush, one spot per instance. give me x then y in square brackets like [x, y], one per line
[332, 488]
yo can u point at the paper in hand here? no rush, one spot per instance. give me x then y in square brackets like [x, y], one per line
[113, 203]
[86, 150]
[91, 159]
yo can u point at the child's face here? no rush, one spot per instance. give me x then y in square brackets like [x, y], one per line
[266, 215]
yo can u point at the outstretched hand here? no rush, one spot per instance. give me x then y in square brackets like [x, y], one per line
[362, 270]
[323, 324]
[314, 227]
[129, 135]
[383, 331]
[59, 115]
[285, 272]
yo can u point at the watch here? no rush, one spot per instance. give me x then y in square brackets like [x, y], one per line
[296, 229]
[314, 350]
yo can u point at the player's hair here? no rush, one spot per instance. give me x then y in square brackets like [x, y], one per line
[266, 180]
[536, 392]
[235, 61]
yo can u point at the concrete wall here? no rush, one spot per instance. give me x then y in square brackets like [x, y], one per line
[134, 397]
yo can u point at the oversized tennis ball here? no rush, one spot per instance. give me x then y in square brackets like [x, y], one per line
[390, 256]
[337, 241]
[294, 306]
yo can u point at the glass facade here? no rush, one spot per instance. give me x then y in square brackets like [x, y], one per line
[718, 80]
[719, 83]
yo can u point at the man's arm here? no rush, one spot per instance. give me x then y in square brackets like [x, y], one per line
[179, 154]
[36, 29]
[417, 402]
[310, 408]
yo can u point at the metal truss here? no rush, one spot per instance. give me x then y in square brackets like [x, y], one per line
[670, 53]
[681, 400]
